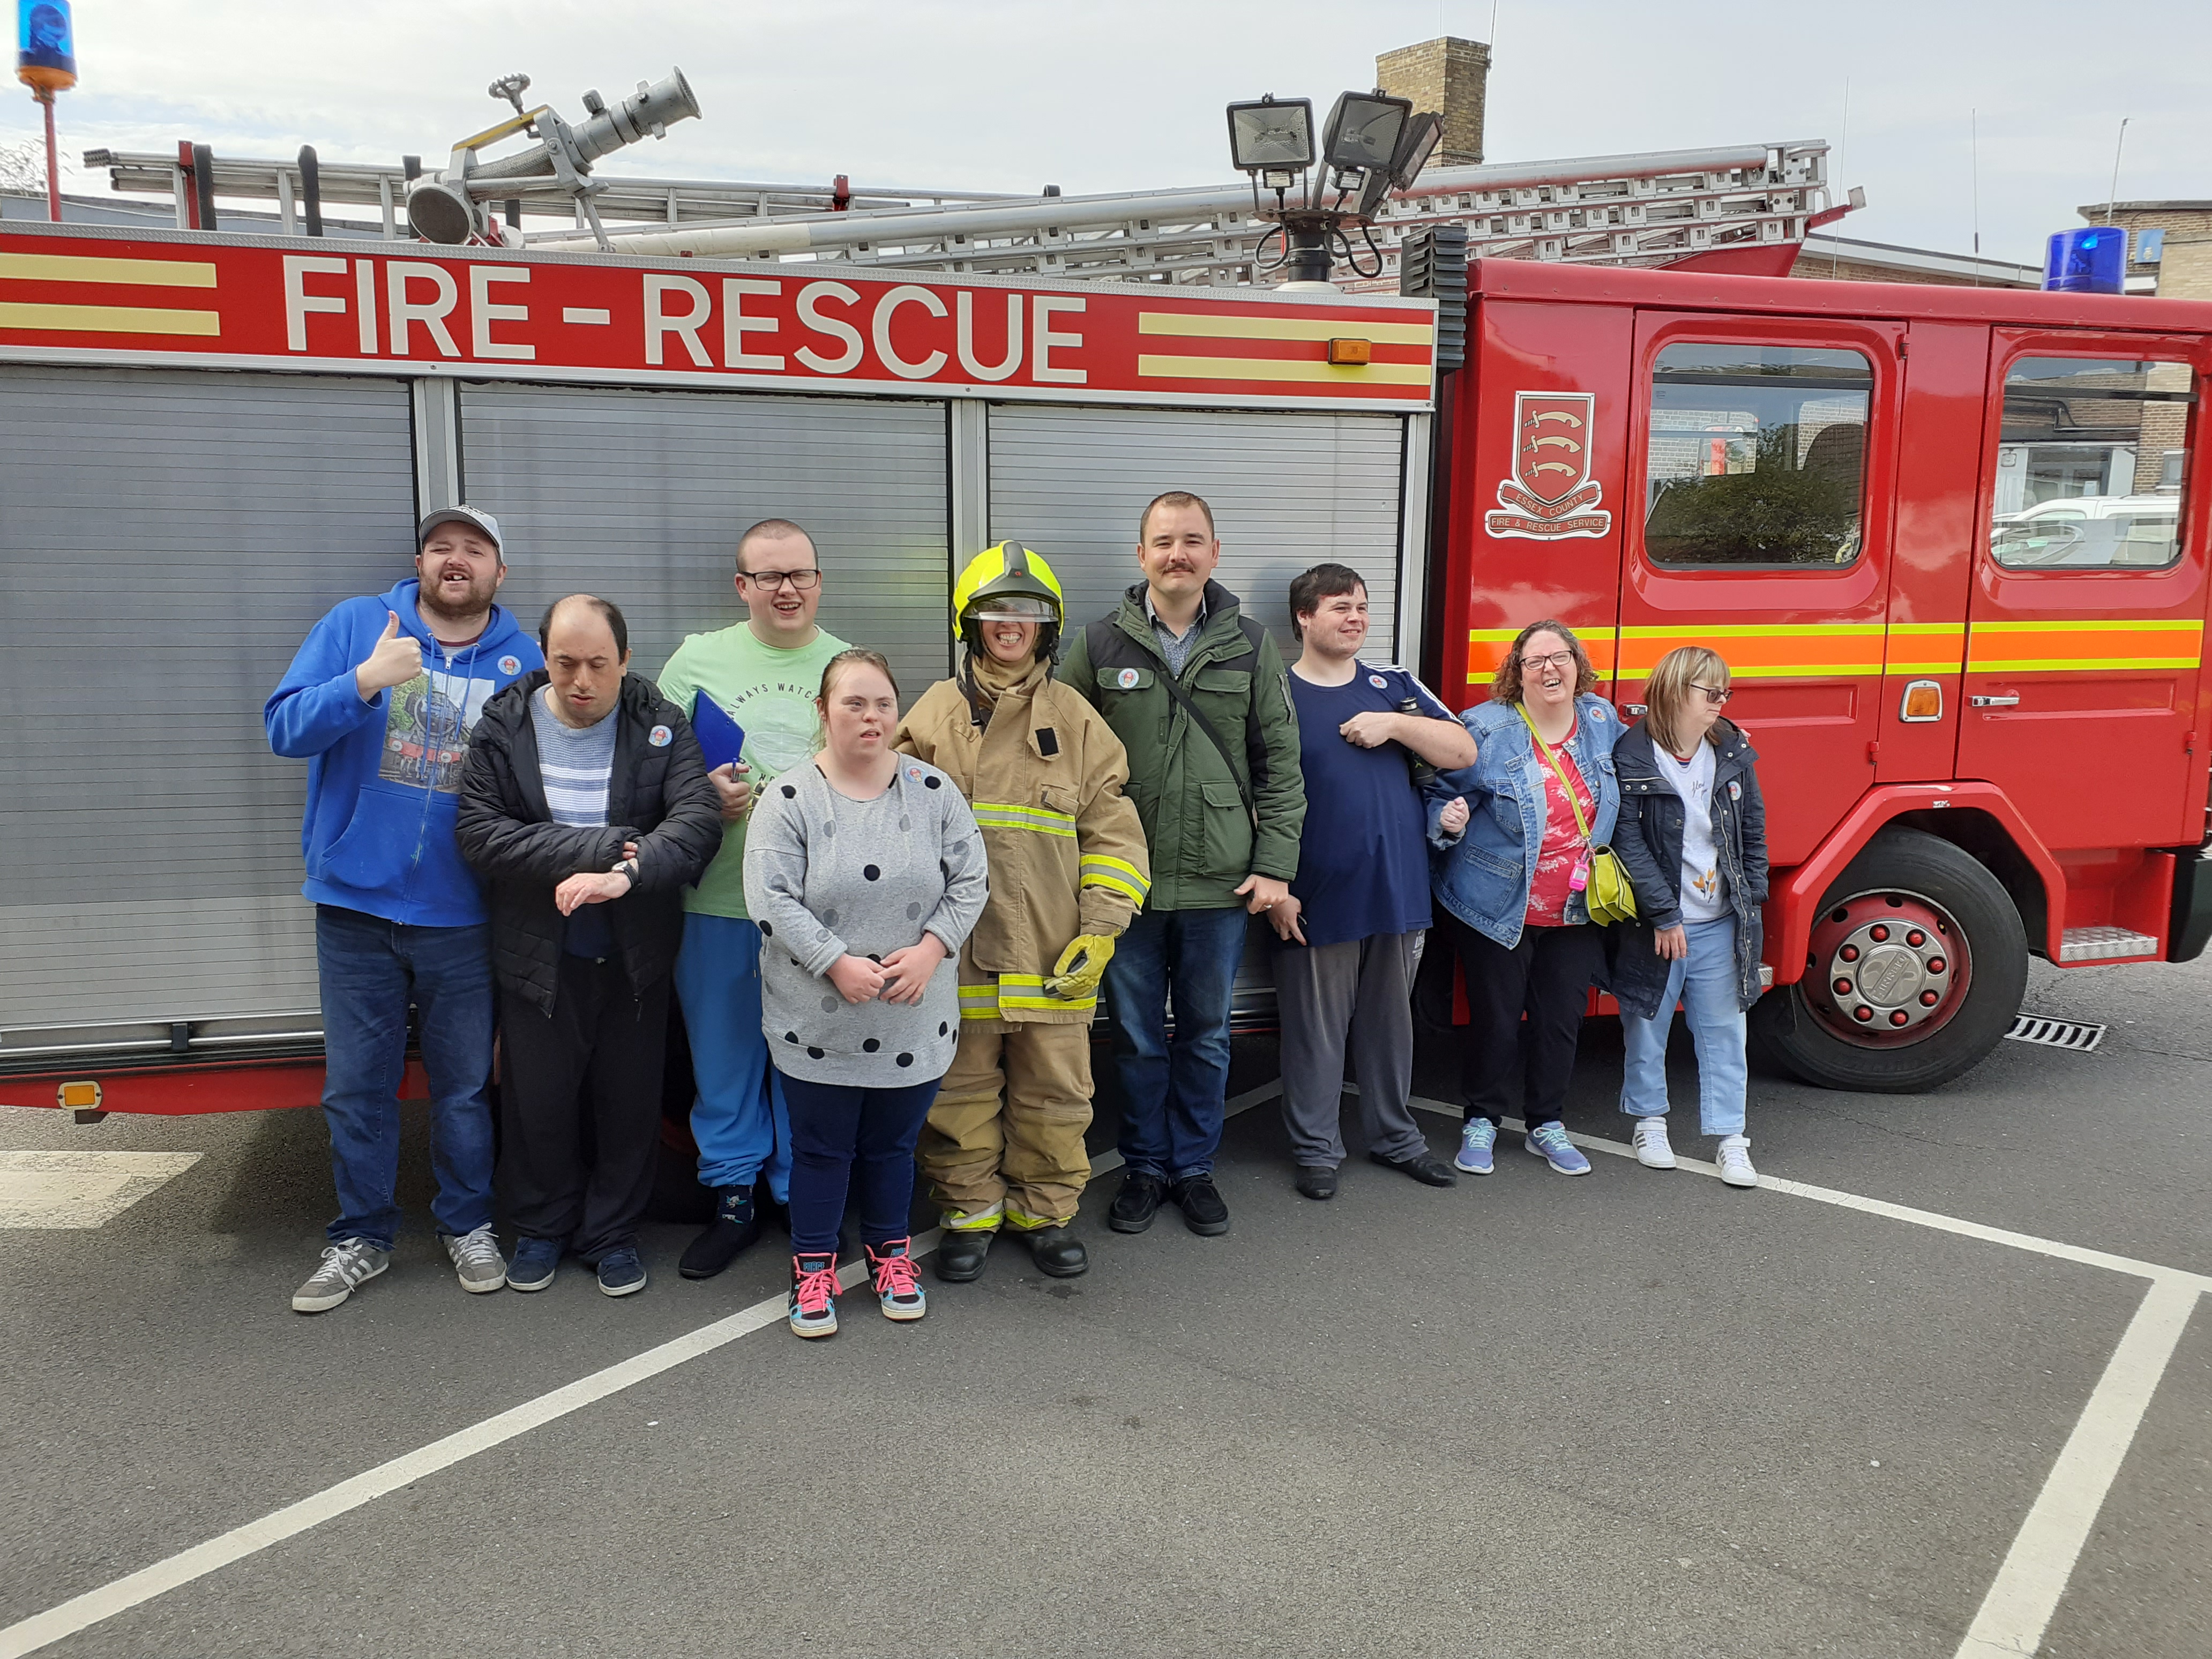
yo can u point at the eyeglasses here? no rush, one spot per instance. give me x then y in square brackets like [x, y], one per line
[1557, 660]
[772, 580]
[1711, 695]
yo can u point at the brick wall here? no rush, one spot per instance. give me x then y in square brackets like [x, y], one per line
[1449, 76]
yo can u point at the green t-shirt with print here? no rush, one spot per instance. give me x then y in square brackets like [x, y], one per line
[769, 692]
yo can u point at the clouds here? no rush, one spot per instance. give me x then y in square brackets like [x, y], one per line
[992, 95]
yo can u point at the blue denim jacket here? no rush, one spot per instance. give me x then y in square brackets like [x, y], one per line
[1482, 875]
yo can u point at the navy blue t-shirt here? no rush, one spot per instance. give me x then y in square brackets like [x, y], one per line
[1363, 862]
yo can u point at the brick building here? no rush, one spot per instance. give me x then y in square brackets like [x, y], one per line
[1450, 76]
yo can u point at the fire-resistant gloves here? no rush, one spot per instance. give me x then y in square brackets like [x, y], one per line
[1075, 975]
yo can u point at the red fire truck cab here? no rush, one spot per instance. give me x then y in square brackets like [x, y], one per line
[1949, 542]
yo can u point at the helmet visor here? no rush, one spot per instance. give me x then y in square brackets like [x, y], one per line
[1012, 607]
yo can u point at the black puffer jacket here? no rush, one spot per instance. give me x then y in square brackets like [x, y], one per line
[659, 796]
[1649, 841]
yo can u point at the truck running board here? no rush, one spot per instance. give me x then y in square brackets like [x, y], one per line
[2104, 945]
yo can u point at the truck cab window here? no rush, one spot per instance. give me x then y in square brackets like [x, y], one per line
[1757, 456]
[2090, 465]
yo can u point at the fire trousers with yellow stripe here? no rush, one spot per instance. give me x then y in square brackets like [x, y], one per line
[1004, 1143]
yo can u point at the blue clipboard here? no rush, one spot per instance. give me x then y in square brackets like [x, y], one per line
[721, 739]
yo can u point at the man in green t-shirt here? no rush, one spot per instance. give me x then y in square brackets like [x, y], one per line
[763, 674]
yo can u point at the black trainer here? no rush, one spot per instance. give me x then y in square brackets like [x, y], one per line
[1200, 1201]
[1314, 1181]
[1424, 1167]
[1057, 1252]
[1136, 1204]
[960, 1253]
[737, 1223]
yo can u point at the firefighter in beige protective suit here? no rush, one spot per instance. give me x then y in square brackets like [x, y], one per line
[1003, 1147]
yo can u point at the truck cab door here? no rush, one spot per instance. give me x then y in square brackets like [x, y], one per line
[2085, 617]
[1759, 514]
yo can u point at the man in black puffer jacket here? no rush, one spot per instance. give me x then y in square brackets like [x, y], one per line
[586, 805]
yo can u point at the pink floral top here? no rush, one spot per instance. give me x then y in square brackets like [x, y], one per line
[1565, 846]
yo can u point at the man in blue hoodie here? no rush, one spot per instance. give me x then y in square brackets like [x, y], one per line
[380, 701]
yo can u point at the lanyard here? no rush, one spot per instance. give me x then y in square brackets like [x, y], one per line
[1566, 782]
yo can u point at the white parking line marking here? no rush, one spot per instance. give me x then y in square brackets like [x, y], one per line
[83, 1611]
[80, 1189]
[2033, 1577]
[2015, 1613]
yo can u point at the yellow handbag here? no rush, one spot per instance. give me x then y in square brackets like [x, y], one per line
[1608, 895]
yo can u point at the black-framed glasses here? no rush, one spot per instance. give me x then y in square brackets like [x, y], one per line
[1711, 695]
[1557, 660]
[772, 580]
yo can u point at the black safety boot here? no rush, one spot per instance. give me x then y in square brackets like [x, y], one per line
[1056, 1251]
[737, 1223]
[1203, 1210]
[960, 1253]
[1136, 1204]
[1315, 1181]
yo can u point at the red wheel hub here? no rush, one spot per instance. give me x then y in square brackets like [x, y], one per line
[1886, 969]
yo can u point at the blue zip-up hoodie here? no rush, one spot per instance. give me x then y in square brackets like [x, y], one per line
[384, 776]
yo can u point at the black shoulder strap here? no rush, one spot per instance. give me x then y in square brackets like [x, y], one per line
[1108, 647]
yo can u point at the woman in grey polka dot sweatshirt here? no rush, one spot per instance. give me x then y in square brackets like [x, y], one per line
[865, 872]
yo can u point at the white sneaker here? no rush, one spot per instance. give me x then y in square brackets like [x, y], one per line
[1652, 1151]
[346, 1267]
[1735, 1159]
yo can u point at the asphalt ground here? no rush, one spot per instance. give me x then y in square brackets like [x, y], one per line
[1635, 1413]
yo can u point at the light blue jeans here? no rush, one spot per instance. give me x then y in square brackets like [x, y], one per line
[1705, 982]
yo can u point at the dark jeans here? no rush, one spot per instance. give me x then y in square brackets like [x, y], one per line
[370, 970]
[842, 1137]
[1547, 977]
[1173, 1093]
[587, 1074]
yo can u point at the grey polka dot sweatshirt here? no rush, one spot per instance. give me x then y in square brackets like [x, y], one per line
[827, 876]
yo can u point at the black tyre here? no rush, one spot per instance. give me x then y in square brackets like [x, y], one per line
[1917, 964]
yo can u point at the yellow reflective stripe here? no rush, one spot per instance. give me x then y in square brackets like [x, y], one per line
[1118, 875]
[998, 815]
[1115, 885]
[2053, 665]
[1108, 861]
[983, 1221]
[2147, 625]
[1691, 635]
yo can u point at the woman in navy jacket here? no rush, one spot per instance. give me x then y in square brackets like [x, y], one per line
[1511, 864]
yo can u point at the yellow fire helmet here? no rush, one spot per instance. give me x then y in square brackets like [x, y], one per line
[1008, 582]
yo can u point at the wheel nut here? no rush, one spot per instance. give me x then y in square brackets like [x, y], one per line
[1843, 987]
[1849, 953]
[1916, 939]
[1862, 1012]
[1899, 1018]
[1928, 999]
[1877, 933]
[1935, 964]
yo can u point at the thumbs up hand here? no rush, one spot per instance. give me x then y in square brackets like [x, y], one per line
[395, 659]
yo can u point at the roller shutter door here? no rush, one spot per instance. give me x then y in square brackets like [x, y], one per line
[167, 540]
[640, 497]
[1288, 491]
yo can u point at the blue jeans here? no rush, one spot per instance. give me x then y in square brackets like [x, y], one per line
[371, 969]
[849, 1137]
[738, 1116]
[1705, 982]
[1173, 1093]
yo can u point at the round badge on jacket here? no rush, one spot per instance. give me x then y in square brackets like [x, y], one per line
[1379, 682]
[1128, 678]
[510, 666]
[659, 736]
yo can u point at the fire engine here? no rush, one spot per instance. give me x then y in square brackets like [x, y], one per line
[1973, 748]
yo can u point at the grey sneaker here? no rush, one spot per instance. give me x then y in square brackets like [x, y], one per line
[478, 1261]
[345, 1267]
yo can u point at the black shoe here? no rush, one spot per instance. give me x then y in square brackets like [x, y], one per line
[960, 1254]
[1314, 1181]
[1424, 1167]
[1136, 1204]
[1200, 1201]
[1058, 1253]
[737, 1223]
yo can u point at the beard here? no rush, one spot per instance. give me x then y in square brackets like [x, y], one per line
[479, 600]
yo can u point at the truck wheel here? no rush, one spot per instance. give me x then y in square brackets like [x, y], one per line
[1917, 966]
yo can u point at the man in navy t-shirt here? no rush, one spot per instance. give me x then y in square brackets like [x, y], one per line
[1351, 928]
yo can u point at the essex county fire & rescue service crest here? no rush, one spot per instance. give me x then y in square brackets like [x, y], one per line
[1551, 493]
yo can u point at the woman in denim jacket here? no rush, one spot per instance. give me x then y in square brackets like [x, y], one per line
[1511, 861]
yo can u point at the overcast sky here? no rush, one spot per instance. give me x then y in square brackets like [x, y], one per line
[1128, 94]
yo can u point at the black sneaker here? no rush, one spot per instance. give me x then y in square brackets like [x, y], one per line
[1200, 1201]
[1315, 1181]
[1058, 1253]
[1424, 1167]
[960, 1253]
[737, 1223]
[1136, 1204]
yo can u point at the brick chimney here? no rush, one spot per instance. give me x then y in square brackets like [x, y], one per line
[1449, 76]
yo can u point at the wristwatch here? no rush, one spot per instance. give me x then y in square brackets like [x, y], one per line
[627, 867]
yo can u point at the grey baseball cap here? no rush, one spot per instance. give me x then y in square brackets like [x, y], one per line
[474, 517]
